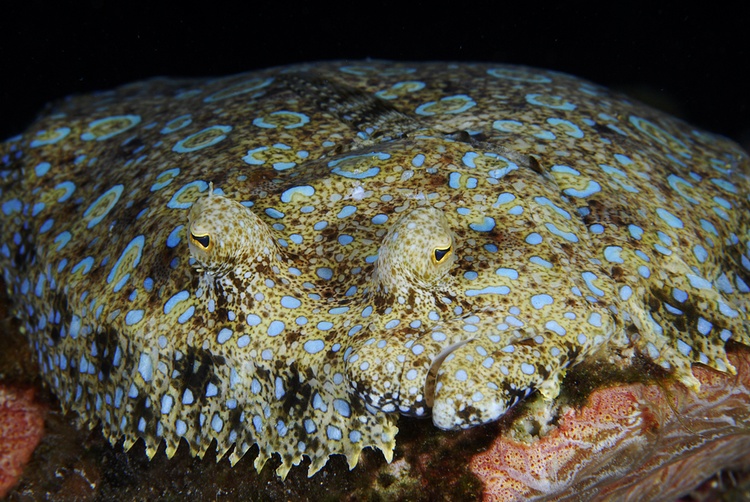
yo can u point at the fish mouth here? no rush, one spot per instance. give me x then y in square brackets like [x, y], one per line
[431, 380]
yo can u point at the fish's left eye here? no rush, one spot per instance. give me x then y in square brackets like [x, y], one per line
[441, 254]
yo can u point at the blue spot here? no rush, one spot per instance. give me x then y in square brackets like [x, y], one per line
[42, 168]
[12, 206]
[533, 239]
[224, 335]
[625, 293]
[174, 238]
[84, 265]
[568, 127]
[186, 315]
[536, 260]
[46, 226]
[487, 225]
[325, 273]
[592, 187]
[612, 254]
[290, 302]
[379, 219]
[145, 367]
[324, 325]
[345, 239]
[470, 275]
[636, 232]
[454, 180]
[507, 272]
[314, 346]
[133, 317]
[274, 213]
[418, 160]
[670, 219]
[174, 300]
[275, 328]
[489, 290]
[700, 253]
[346, 211]
[541, 301]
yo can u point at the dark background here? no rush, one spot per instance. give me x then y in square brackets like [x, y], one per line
[688, 60]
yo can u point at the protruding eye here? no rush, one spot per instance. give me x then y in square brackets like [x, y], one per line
[442, 253]
[202, 241]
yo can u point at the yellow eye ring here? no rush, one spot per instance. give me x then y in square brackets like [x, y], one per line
[441, 254]
[203, 242]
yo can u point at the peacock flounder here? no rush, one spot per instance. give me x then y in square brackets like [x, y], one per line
[293, 257]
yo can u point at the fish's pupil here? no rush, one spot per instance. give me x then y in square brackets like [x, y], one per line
[203, 240]
[441, 253]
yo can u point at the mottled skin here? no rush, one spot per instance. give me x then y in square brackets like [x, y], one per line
[293, 257]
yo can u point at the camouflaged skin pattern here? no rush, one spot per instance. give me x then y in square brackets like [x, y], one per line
[292, 257]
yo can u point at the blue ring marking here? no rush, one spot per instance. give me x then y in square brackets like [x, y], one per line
[509, 126]
[675, 183]
[275, 328]
[507, 272]
[84, 264]
[137, 244]
[250, 159]
[111, 197]
[251, 85]
[567, 126]
[554, 102]
[126, 122]
[174, 236]
[592, 187]
[165, 178]
[517, 75]
[176, 124]
[68, 187]
[290, 302]
[175, 203]
[304, 190]
[489, 290]
[174, 300]
[62, 240]
[589, 278]
[468, 103]
[302, 120]
[541, 301]
[51, 137]
[209, 132]
[133, 317]
[486, 226]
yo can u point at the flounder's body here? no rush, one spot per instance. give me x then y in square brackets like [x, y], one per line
[293, 257]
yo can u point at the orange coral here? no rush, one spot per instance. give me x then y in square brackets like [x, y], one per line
[638, 442]
[21, 429]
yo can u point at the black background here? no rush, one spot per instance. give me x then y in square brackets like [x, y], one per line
[689, 60]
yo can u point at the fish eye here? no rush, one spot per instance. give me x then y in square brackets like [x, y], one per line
[442, 253]
[202, 241]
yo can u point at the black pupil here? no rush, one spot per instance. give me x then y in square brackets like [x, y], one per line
[203, 240]
[440, 253]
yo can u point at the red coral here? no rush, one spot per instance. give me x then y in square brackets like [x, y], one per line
[630, 442]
